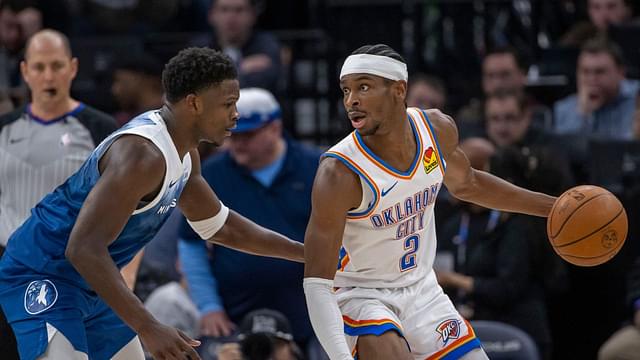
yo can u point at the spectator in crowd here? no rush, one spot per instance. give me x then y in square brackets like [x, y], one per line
[264, 335]
[504, 70]
[508, 123]
[18, 22]
[507, 119]
[625, 343]
[256, 53]
[604, 105]
[44, 142]
[426, 92]
[602, 14]
[137, 86]
[275, 174]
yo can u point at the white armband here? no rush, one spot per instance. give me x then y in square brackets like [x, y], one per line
[208, 227]
[326, 318]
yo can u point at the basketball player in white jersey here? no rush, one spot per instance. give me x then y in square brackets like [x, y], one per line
[373, 220]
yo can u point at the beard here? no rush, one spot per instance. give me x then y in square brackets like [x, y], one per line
[369, 132]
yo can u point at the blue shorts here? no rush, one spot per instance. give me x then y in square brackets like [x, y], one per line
[31, 300]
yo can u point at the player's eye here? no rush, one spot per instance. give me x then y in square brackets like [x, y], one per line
[364, 87]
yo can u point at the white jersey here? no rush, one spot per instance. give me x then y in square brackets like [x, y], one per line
[390, 239]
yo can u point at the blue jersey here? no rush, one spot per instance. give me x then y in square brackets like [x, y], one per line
[40, 243]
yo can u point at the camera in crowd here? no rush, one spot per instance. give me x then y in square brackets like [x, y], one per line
[263, 335]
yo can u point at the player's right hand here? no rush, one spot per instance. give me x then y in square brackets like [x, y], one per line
[216, 324]
[166, 343]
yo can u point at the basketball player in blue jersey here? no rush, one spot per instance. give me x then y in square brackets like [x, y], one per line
[372, 219]
[59, 282]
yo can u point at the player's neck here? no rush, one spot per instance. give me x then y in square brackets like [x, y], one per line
[393, 132]
[395, 142]
[52, 110]
[181, 139]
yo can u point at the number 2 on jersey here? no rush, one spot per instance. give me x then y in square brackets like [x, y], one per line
[408, 260]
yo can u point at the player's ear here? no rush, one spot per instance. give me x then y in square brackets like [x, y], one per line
[399, 88]
[194, 103]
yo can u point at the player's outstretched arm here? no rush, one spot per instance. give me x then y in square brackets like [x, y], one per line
[480, 187]
[336, 190]
[209, 219]
[132, 169]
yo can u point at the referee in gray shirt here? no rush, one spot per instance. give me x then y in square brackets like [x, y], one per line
[44, 142]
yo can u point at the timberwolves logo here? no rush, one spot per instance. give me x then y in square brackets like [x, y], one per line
[40, 296]
[449, 329]
[429, 160]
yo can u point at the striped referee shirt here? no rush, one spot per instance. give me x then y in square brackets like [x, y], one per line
[36, 156]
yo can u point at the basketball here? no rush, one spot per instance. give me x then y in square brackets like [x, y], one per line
[587, 225]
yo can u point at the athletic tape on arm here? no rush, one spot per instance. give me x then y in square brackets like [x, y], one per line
[208, 227]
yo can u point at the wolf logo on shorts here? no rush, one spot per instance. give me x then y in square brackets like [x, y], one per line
[40, 296]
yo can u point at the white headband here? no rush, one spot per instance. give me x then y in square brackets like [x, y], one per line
[384, 66]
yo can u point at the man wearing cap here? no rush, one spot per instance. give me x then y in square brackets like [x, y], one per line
[267, 177]
[264, 334]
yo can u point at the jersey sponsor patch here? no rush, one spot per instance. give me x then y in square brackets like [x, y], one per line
[429, 160]
[40, 296]
[449, 329]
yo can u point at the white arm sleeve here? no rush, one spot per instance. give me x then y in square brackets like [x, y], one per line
[326, 318]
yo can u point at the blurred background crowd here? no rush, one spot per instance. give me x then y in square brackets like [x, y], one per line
[544, 93]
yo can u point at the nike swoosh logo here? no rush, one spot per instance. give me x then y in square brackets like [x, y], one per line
[385, 192]
[13, 141]
[173, 183]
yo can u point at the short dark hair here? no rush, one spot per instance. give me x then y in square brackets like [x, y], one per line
[379, 49]
[194, 69]
[503, 94]
[601, 44]
[509, 50]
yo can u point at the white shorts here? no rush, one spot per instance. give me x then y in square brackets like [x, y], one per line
[421, 313]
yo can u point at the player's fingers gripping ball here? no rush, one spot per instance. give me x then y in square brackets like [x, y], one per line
[587, 225]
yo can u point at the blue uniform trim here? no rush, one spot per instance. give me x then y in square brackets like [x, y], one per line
[73, 112]
[435, 138]
[416, 158]
[462, 350]
[366, 179]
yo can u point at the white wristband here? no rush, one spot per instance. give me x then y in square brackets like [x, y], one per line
[326, 318]
[208, 227]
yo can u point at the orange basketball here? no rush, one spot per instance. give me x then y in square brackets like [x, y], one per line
[587, 225]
